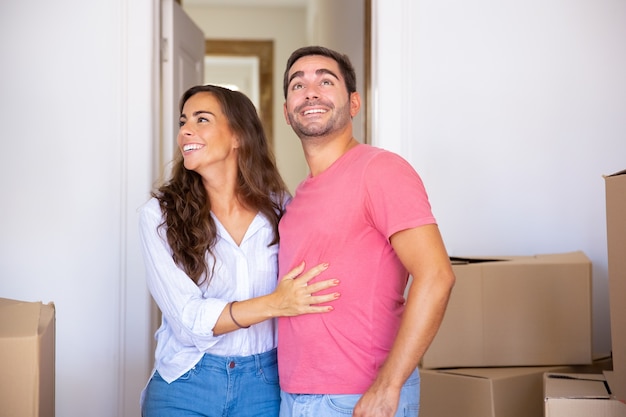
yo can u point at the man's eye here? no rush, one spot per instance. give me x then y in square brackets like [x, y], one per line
[297, 86]
[327, 82]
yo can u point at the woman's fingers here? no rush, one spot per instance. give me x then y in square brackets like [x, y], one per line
[297, 295]
[310, 289]
[326, 298]
[322, 285]
[295, 272]
[313, 301]
[308, 275]
[312, 273]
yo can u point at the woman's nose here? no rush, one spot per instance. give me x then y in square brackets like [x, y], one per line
[185, 130]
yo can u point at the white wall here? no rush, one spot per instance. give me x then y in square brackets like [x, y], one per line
[286, 26]
[511, 112]
[76, 125]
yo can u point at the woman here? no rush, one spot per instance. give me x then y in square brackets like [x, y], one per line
[210, 242]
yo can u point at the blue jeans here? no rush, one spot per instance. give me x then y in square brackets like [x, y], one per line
[218, 386]
[328, 405]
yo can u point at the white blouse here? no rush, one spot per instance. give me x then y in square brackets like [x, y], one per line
[189, 312]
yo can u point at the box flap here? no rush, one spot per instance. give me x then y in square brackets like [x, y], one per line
[46, 315]
[498, 373]
[581, 386]
[613, 383]
[18, 319]
[576, 257]
[467, 372]
[457, 260]
[622, 172]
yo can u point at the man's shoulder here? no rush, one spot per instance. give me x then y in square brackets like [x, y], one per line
[365, 149]
[375, 157]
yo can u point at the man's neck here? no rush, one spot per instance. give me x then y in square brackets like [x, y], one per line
[320, 153]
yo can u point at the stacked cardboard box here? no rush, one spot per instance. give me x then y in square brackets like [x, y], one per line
[27, 341]
[601, 395]
[509, 321]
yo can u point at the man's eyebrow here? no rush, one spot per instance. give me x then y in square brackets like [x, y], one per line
[326, 71]
[317, 72]
[295, 75]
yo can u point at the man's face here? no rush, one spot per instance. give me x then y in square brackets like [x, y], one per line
[318, 103]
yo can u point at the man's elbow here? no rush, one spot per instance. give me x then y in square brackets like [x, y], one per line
[445, 281]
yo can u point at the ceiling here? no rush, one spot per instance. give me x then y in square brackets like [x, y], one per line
[252, 3]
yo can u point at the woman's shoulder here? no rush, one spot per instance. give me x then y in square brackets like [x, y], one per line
[150, 208]
[281, 199]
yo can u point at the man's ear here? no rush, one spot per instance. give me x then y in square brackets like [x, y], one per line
[355, 103]
[285, 114]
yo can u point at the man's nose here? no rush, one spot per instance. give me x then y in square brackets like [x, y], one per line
[312, 92]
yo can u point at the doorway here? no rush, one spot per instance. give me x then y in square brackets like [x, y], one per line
[341, 25]
[263, 52]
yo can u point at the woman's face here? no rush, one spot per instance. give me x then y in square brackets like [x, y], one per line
[205, 138]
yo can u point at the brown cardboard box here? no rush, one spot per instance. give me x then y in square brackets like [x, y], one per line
[616, 243]
[601, 395]
[580, 395]
[484, 392]
[516, 311]
[492, 392]
[27, 343]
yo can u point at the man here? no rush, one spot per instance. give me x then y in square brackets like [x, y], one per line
[365, 212]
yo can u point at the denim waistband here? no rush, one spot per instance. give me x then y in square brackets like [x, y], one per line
[239, 363]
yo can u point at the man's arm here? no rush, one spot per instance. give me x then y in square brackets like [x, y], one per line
[423, 254]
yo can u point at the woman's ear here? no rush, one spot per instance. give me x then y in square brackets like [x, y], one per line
[236, 142]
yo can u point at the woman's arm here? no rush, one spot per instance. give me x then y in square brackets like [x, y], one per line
[200, 321]
[293, 296]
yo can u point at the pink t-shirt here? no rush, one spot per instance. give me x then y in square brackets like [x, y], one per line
[345, 216]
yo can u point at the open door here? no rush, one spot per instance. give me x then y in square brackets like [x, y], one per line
[182, 66]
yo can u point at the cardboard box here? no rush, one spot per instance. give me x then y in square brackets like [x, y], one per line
[616, 244]
[601, 395]
[27, 349]
[516, 311]
[484, 392]
[600, 364]
[580, 395]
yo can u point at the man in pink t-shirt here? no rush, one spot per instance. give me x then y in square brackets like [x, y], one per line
[364, 211]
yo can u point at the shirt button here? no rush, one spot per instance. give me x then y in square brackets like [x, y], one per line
[231, 365]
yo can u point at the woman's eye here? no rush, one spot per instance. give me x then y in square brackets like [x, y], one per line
[181, 123]
[202, 119]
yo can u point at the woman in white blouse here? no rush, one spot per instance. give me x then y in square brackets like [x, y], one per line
[210, 242]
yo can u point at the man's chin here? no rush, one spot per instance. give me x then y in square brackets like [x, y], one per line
[313, 132]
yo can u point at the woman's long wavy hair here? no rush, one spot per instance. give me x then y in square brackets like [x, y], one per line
[191, 231]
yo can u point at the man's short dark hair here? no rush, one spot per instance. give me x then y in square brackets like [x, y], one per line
[345, 66]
